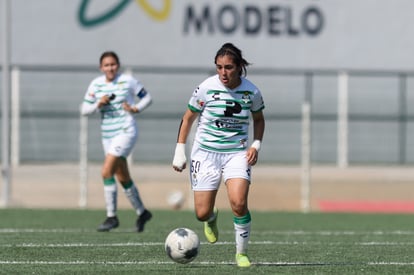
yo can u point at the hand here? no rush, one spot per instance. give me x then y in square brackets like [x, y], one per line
[129, 108]
[180, 160]
[252, 156]
[104, 101]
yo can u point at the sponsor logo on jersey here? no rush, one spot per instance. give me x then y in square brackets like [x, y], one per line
[200, 103]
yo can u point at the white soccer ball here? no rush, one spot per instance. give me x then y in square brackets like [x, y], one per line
[182, 245]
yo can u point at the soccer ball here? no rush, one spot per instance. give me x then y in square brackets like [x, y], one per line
[176, 199]
[182, 245]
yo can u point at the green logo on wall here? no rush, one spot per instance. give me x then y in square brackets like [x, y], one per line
[158, 15]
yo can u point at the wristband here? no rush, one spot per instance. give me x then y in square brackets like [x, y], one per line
[256, 145]
[179, 156]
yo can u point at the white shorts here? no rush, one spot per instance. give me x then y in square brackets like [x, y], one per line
[122, 144]
[207, 169]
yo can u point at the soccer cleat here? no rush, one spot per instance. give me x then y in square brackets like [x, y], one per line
[108, 224]
[211, 230]
[143, 219]
[242, 260]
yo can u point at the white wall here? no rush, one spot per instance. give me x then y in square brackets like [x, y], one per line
[353, 34]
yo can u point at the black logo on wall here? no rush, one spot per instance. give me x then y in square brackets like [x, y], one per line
[253, 19]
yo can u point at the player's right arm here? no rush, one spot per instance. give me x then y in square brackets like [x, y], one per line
[180, 160]
[90, 102]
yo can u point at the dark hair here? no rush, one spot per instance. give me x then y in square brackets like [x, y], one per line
[236, 55]
[111, 54]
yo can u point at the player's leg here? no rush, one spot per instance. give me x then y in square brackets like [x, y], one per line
[237, 190]
[110, 193]
[130, 189]
[204, 202]
[205, 180]
[132, 193]
[236, 175]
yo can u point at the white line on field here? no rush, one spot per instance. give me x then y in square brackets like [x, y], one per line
[197, 263]
[36, 245]
[230, 232]
[132, 244]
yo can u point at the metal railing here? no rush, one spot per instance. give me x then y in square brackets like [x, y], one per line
[304, 82]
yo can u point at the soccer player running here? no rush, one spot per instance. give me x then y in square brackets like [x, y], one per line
[222, 103]
[114, 95]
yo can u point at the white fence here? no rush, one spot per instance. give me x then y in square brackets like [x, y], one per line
[298, 105]
[342, 114]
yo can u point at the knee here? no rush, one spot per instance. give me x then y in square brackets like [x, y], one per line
[106, 174]
[124, 179]
[239, 208]
[202, 215]
[239, 212]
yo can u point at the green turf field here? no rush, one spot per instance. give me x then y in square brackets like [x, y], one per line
[66, 242]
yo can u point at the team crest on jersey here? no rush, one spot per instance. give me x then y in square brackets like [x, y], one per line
[216, 96]
[246, 97]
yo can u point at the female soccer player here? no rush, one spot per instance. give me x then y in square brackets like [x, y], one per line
[113, 95]
[223, 103]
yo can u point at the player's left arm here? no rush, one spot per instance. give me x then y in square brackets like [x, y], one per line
[145, 100]
[258, 132]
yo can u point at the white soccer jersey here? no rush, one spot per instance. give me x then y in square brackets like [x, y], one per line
[123, 88]
[223, 123]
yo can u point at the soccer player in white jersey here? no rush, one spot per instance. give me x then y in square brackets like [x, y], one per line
[223, 104]
[114, 95]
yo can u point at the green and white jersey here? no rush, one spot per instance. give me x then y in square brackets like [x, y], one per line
[223, 123]
[114, 119]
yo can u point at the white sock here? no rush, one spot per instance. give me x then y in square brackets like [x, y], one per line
[242, 232]
[110, 193]
[135, 199]
[242, 227]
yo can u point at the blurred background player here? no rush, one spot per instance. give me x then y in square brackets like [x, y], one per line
[223, 104]
[113, 94]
